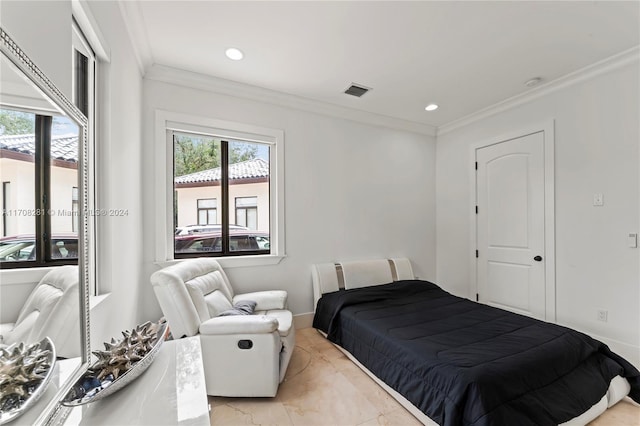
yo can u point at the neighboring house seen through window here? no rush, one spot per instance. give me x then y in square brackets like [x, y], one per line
[39, 169]
[219, 185]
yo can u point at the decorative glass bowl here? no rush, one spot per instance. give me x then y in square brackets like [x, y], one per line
[119, 364]
[25, 372]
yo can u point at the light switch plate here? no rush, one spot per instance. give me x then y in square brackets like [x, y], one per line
[633, 240]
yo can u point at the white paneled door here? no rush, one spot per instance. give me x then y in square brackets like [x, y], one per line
[510, 225]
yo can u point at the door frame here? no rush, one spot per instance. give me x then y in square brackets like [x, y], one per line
[547, 128]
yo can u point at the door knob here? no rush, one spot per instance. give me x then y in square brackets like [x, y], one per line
[537, 258]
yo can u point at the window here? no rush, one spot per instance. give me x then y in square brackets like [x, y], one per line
[84, 70]
[88, 50]
[174, 230]
[207, 211]
[247, 212]
[39, 169]
[229, 176]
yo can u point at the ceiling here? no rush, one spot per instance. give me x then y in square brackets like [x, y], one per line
[464, 56]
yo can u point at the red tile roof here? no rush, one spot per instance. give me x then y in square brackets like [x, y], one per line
[63, 147]
[250, 169]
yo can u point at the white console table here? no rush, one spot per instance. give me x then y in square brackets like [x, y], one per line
[171, 392]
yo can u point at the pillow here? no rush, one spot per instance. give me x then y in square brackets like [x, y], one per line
[242, 307]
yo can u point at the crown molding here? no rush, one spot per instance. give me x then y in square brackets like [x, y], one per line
[604, 66]
[90, 29]
[134, 23]
[222, 86]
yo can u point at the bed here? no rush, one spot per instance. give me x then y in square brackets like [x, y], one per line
[452, 361]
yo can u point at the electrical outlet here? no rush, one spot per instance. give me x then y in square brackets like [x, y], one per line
[602, 315]
[598, 200]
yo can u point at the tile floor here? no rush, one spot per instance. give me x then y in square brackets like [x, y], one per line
[323, 387]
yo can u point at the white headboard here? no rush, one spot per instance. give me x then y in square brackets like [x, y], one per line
[329, 277]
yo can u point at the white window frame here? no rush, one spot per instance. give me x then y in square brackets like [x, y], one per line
[166, 122]
[87, 37]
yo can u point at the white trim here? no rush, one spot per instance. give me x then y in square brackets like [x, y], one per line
[547, 128]
[550, 220]
[24, 275]
[136, 29]
[98, 129]
[90, 29]
[94, 301]
[614, 62]
[232, 261]
[165, 123]
[198, 81]
[28, 103]
[301, 321]
[87, 39]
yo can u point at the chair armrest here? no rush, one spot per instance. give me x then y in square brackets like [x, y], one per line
[266, 300]
[239, 324]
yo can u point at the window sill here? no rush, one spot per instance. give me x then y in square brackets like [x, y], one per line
[94, 301]
[24, 275]
[233, 261]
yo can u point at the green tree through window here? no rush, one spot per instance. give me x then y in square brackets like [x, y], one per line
[198, 154]
[16, 123]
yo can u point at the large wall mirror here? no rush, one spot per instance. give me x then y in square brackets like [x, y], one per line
[44, 224]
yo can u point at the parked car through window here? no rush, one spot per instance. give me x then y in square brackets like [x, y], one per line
[239, 241]
[19, 248]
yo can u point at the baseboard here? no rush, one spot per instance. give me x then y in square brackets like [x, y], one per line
[303, 320]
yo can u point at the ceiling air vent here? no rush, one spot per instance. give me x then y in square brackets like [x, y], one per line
[356, 90]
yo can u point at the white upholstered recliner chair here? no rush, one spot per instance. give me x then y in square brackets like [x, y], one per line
[243, 355]
[50, 310]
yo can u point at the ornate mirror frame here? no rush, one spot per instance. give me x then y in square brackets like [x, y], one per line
[54, 412]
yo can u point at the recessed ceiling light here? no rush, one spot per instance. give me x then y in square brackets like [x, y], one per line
[234, 54]
[431, 107]
[533, 82]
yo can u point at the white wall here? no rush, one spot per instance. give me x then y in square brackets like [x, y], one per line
[43, 30]
[597, 138]
[119, 181]
[352, 190]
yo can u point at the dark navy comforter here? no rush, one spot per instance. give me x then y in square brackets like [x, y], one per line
[464, 363]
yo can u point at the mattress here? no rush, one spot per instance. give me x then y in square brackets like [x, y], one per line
[463, 363]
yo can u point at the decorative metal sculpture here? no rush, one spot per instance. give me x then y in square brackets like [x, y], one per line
[119, 364]
[24, 374]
